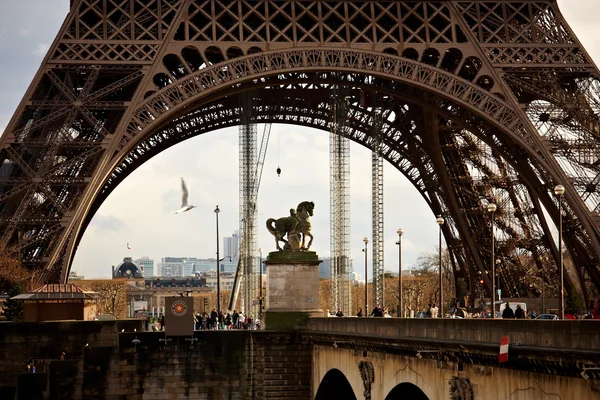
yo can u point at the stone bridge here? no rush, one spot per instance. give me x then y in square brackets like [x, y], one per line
[420, 359]
[330, 358]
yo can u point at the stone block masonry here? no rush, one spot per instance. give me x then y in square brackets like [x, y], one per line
[219, 364]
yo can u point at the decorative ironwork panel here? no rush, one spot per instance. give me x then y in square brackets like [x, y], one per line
[326, 22]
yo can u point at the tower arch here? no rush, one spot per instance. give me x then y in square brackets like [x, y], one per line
[103, 93]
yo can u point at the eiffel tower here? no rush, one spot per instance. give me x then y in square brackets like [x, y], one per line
[489, 102]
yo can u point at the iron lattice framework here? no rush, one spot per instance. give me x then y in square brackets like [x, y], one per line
[248, 207]
[339, 179]
[377, 215]
[377, 226]
[493, 100]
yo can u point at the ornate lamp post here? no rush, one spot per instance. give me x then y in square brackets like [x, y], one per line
[440, 222]
[260, 294]
[399, 243]
[559, 191]
[366, 241]
[217, 211]
[492, 209]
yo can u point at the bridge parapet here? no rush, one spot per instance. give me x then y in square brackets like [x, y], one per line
[568, 334]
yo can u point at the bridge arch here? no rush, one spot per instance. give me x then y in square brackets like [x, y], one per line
[378, 376]
[335, 385]
[406, 391]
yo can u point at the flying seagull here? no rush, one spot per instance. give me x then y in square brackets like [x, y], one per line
[184, 199]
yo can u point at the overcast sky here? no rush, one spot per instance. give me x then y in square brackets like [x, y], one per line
[140, 210]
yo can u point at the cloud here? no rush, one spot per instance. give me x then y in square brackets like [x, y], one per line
[107, 223]
[41, 49]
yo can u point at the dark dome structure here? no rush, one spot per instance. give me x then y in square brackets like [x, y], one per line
[128, 269]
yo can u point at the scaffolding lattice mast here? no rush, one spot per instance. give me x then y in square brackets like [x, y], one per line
[248, 206]
[254, 199]
[377, 208]
[341, 268]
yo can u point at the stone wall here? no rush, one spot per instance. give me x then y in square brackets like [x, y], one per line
[217, 365]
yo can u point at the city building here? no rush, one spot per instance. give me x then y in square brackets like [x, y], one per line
[325, 268]
[231, 246]
[74, 277]
[171, 266]
[127, 269]
[226, 280]
[357, 278]
[147, 266]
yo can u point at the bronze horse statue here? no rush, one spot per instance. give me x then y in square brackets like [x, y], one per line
[296, 224]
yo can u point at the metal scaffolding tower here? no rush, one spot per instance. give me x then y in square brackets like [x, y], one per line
[377, 228]
[339, 158]
[248, 207]
[253, 199]
[378, 285]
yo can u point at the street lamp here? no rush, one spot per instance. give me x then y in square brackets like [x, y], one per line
[497, 277]
[559, 191]
[492, 209]
[399, 243]
[366, 241]
[440, 222]
[543, 288]
[260, 295]
[217, 211]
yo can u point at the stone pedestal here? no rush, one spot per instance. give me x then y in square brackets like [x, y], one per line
[292, 289]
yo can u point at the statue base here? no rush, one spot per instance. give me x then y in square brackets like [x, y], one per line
[292, 289]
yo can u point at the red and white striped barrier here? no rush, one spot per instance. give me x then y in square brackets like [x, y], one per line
[503, 356]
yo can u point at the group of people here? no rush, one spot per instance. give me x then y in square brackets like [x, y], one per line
[378, 311]
[519, 313]
[219, 321]
[216, 321]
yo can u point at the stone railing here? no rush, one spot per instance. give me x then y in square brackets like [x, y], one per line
[569, 334]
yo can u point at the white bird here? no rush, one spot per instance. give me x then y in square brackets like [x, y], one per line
[184, 199]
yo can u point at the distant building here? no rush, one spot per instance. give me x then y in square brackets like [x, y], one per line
[231, 246]
[127, 269]
[325, 268]
[171, 266]
[187, 266]
[226, 280]
[147, 266]
[74, 277]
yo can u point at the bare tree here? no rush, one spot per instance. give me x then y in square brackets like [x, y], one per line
[12, 272]
[113, 294]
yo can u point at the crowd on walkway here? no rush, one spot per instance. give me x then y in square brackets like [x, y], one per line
[220, 321]
[208, 321]
[378, 311]
[507, 311]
